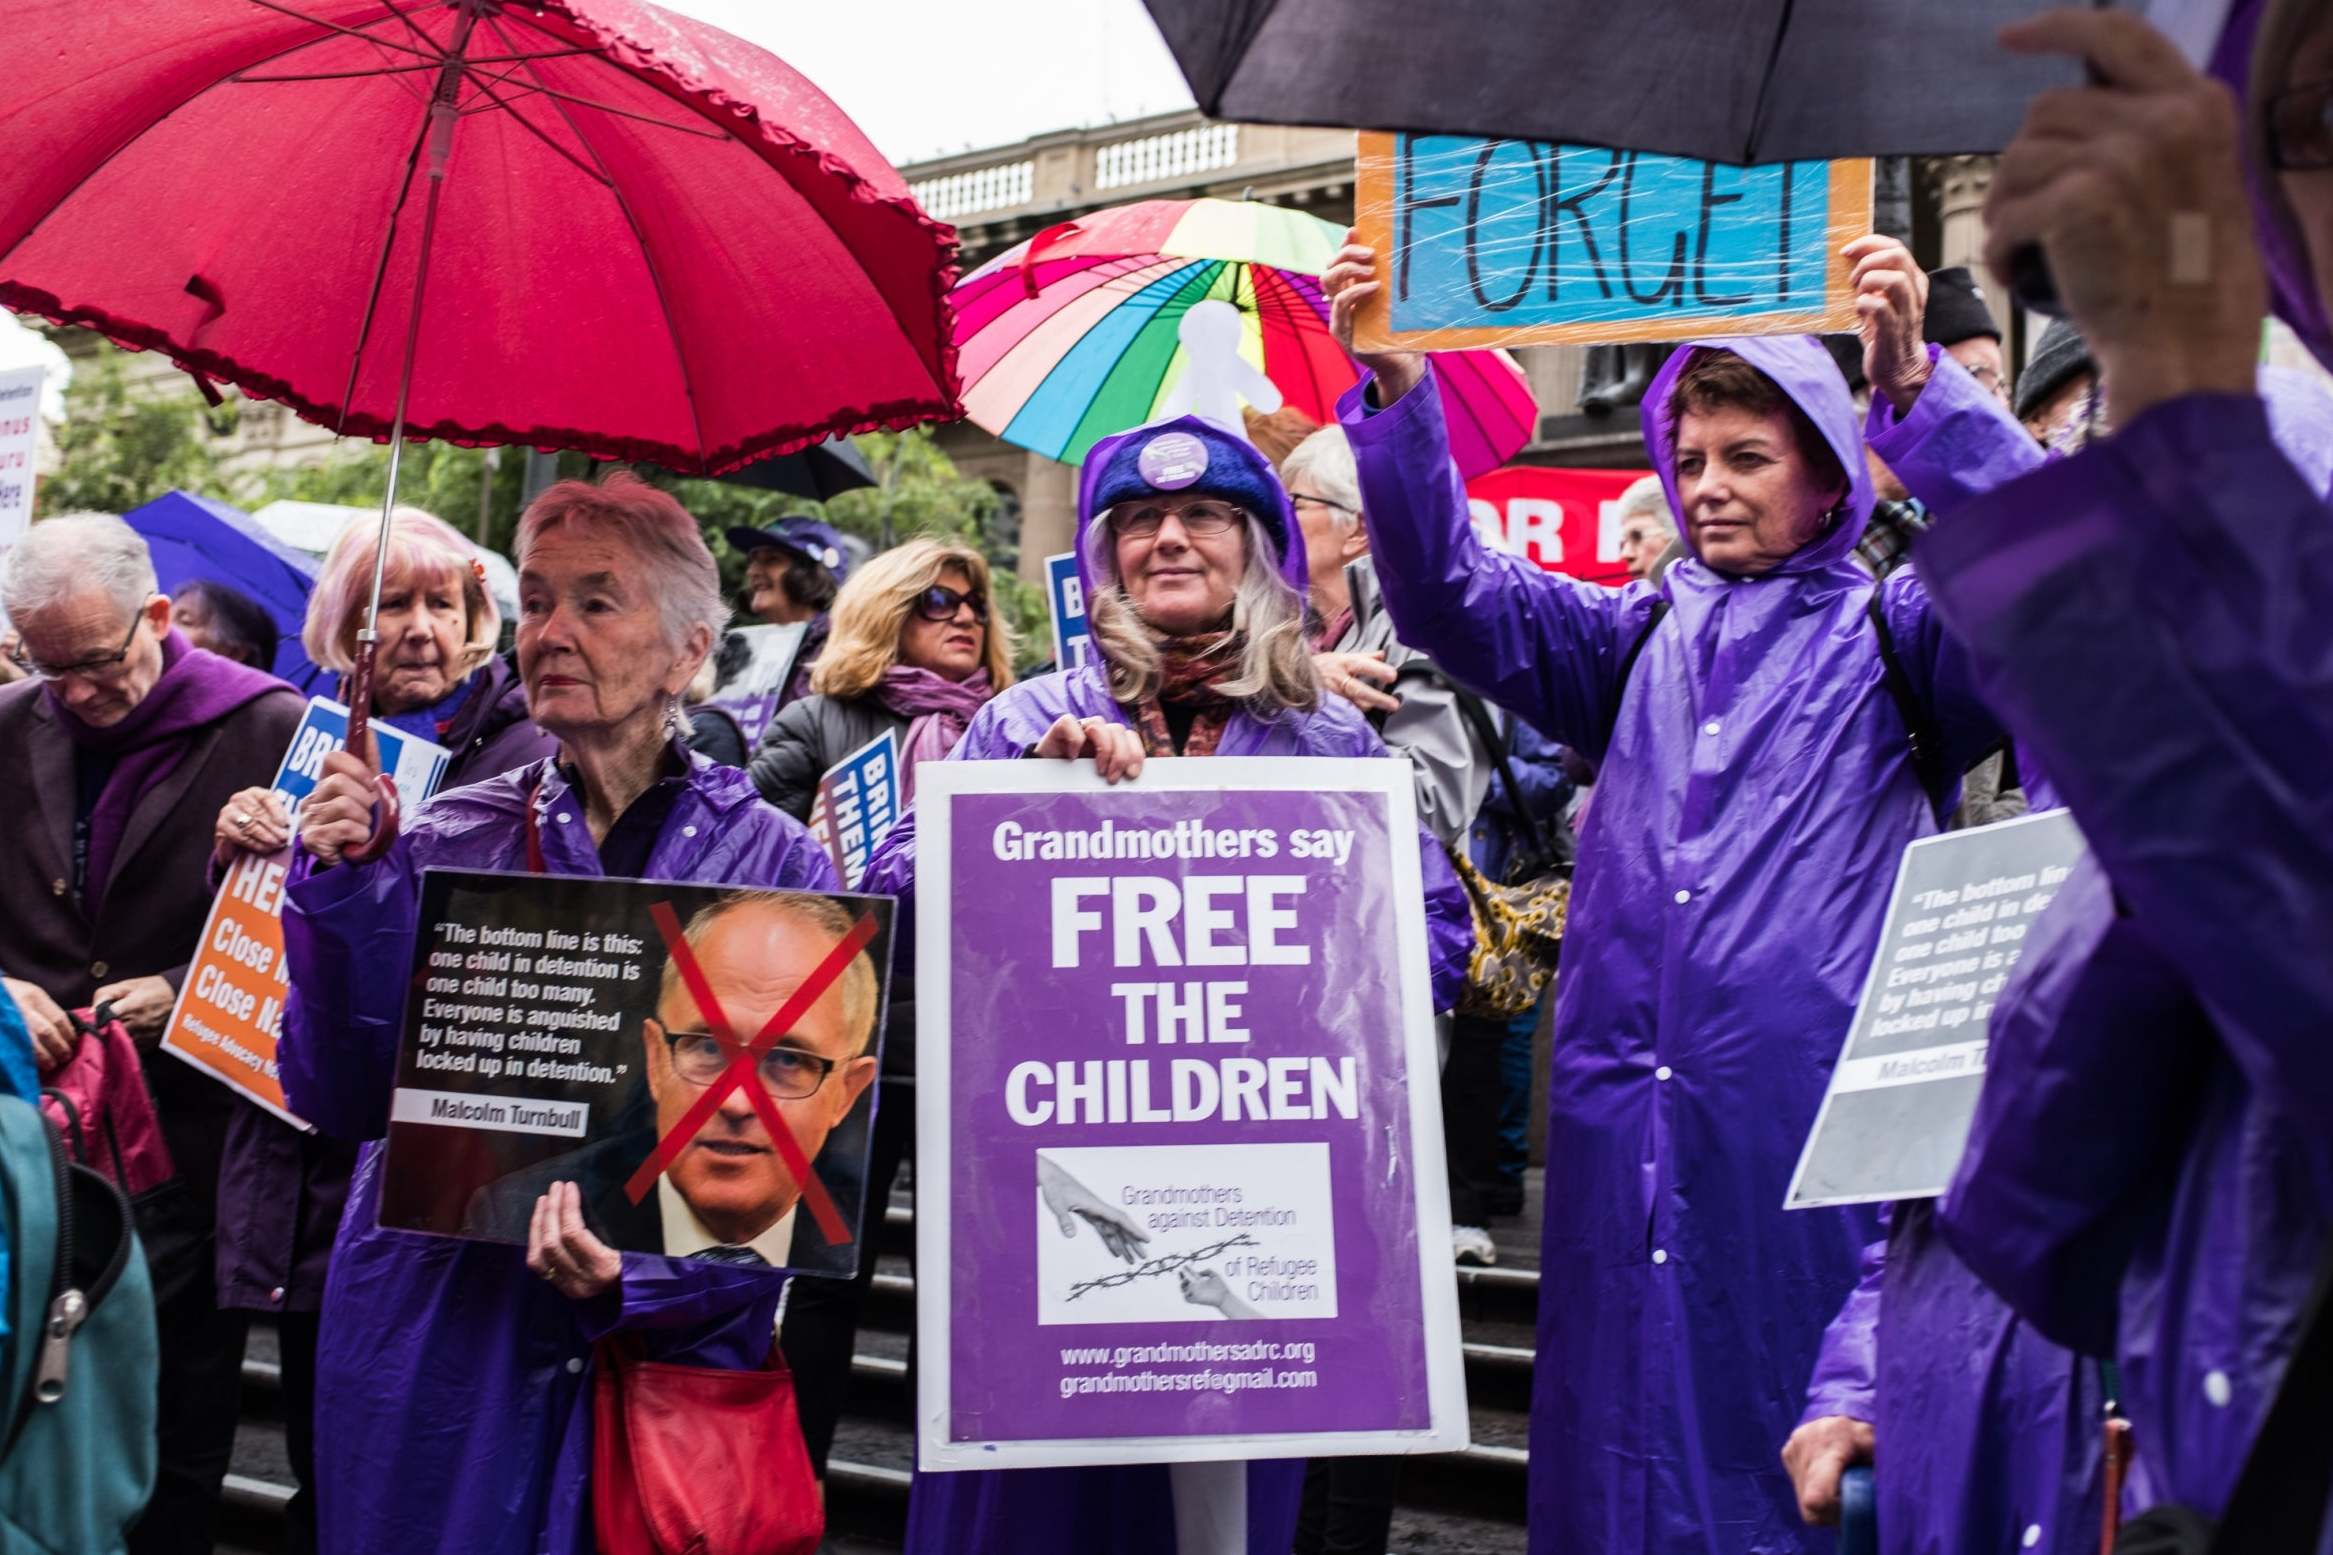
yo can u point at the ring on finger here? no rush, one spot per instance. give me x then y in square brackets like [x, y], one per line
[243, 819]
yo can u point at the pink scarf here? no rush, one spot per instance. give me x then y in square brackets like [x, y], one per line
[938, 709]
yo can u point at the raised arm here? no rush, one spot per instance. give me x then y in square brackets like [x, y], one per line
[348, 947]
[2149, 617]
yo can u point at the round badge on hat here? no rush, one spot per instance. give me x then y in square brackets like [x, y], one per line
[829, 555]
[1172, 460]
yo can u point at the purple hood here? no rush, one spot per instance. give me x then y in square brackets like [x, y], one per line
[2292, 284]
[1802, 369]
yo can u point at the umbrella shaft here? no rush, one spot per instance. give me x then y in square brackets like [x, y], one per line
[443, 111]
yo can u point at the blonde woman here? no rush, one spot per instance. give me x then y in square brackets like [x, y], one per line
[915, 650]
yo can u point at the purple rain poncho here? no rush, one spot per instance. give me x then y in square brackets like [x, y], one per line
[2151, 1164]
[1129, 1509]
[453, 1388]
[1755, 797]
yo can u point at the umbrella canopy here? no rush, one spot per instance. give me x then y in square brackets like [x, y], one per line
[312, 528]
[1742, 81]
[1078, 333]
[815, 473]
[638, 214]
[198, 540]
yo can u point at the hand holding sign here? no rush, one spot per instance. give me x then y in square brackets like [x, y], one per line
[1348, 283]
[561, 1248]
[1891, 306]
[253, 821]
[1116, 749]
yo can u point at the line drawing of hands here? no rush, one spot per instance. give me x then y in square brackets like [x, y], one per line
[1206, 1288]
[1072, 1201]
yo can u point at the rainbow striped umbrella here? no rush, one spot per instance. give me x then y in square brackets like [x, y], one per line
[1073, 335]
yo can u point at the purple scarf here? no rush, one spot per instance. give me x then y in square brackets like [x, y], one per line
[938, 709]
[196, 688]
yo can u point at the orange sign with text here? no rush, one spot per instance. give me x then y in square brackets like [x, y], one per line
[231, 1006]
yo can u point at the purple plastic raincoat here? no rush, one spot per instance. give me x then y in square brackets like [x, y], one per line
[1755, 796]
[453, 1389]
[1129, 1510]
[2151, 1164]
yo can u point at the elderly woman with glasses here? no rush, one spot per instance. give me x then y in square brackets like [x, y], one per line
[454, 1378]
[1195, 576]
[914, 653]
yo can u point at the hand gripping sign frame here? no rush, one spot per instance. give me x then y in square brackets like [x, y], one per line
[1386, 1328]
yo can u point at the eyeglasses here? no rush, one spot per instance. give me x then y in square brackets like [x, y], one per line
[939, 603]
[1299, 498]
[1142, 521]
[104, 667]
[788, 1073]
[2300, 128]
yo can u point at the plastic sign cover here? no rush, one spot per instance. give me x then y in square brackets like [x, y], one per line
[698, 1059]
[1179, 1178]
[1486, 242]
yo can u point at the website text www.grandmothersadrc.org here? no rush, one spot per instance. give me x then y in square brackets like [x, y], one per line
[1115, 1377]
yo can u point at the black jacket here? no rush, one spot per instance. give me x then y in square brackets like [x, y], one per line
[810, 736]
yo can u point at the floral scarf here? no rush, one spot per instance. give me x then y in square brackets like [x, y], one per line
[1189, 670]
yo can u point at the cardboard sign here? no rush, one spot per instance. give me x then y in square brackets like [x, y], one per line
[699, 1060]
[1514, 242]
[230, 1007]
[1896, 1117]
[1073, 643]
[755, 662]
[1565, 521]
[858, 801]
[1180, 1185]
[20, 415]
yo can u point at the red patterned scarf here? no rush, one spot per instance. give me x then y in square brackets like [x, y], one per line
[1190, 668]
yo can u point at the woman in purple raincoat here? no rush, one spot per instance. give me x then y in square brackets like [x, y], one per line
[1757, 788]
[453, 1394]
[2151, 1165]
[1194, 572]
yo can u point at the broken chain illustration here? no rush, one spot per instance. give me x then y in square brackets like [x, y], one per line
[1165, 1265]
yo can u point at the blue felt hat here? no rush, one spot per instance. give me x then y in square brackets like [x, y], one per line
[820, 544]
[1189, 456]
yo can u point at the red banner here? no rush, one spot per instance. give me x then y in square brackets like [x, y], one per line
[1563, 520]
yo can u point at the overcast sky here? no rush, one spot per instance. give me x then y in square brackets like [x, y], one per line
[924, 78]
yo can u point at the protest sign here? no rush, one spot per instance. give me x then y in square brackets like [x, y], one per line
[1565, 521]
[752, 668]
[1485, 242]
[1896, 1116]
[1073, 643]
[20, 416]
[698, 1060]
[1179, 1183]
[858, 801]
[230, 1005]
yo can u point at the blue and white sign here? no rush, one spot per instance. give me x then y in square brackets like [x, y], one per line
[858, 801]
[416, 764]
[1073, 644]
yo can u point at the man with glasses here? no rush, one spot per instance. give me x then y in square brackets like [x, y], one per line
[727, 1197]
[117, 750]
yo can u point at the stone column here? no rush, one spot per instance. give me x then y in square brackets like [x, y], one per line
[1960, 184]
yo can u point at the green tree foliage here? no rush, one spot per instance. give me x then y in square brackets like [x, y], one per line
[122, 445]
[454, 483]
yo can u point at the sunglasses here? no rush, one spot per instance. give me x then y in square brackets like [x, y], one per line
[940, 603]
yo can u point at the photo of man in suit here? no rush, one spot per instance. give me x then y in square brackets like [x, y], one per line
[727, 1196]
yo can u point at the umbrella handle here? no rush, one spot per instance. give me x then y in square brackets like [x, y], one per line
[387, 809]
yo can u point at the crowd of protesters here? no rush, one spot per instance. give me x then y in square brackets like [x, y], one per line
[1879, 587]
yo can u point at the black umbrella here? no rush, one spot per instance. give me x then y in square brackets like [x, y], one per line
[1721, 80]
[816, 473]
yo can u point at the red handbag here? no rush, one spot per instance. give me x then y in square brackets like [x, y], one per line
[699, 1460]
[99, 1099]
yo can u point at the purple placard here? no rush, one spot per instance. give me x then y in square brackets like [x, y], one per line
[1242, 1255]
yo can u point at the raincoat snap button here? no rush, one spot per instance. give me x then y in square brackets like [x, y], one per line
[564, 817]
[1709, 727]
[1660, 1255]
[1662, 1073]
[1683, 897]
[2032, 1535]
[688, 831]
[574, 1365]
[2217, 1389]
[276, 1295]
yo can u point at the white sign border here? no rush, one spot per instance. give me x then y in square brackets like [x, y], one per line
[938, 783]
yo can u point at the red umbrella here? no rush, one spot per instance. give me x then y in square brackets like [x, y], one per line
[638, 236]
